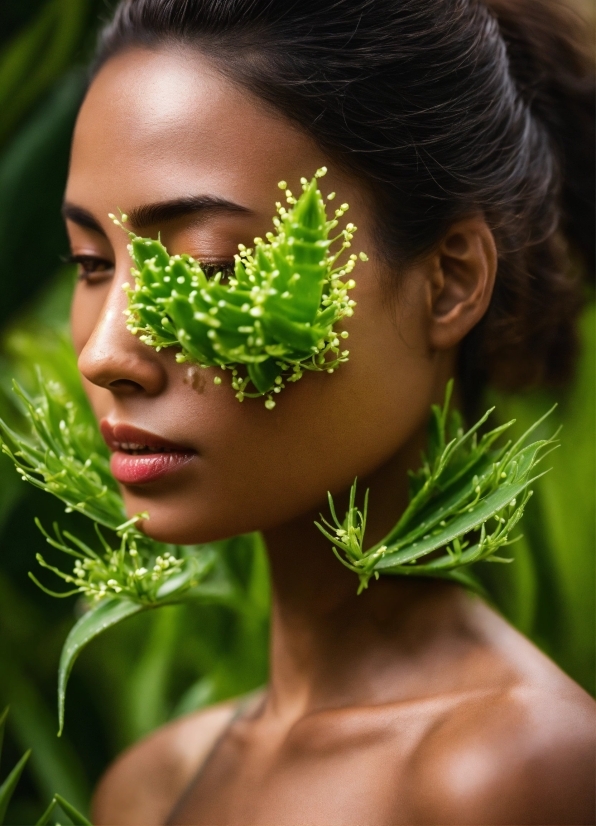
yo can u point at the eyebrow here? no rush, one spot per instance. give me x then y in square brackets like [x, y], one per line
[164, 211]
[157, 213]
[82, 217]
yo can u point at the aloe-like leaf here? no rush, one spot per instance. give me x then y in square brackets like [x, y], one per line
[465, 492]
[98, 619]
[465, 523]
[9, 785]
[273, 319]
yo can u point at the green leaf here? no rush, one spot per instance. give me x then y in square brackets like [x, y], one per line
[33, 169]
[97, 620]
[273, 319]
[45, 818]
[77, 818]
[54, 766]
[467, 522]
[463, 484]
[549, 593]
[149, 675]
[9, 785]
[64, 453]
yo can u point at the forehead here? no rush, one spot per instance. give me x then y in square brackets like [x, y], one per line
[160, 123]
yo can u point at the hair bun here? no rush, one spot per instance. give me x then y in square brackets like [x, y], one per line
[551, 64]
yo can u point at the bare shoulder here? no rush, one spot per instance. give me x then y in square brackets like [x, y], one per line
[524, 755]
[143, 784]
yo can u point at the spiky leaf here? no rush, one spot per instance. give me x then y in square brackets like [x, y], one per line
[275, 316]
[466, 499]
[9, 785]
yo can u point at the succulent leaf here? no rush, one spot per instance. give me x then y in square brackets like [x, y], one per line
[273, 319]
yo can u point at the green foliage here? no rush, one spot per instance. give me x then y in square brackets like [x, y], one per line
[40, 89]
[42, 40]
[550, 592]
[275, 315]
[64, 455]
[462, 485]
[8, 787]
[23, 76]
[159, 664]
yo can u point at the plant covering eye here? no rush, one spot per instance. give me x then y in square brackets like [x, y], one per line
[273, 319]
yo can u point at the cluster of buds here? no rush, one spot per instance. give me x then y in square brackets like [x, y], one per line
[126, 571]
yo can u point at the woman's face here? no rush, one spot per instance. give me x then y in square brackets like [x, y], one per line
[158, 133]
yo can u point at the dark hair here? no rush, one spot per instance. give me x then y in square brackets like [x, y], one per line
[443, 108]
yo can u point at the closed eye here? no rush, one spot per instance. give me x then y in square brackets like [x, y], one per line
[91, 268]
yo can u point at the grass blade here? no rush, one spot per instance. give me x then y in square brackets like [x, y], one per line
[77, 818]
[45, 818]
[9, 785]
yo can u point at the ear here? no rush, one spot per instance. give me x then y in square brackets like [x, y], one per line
[461, 282]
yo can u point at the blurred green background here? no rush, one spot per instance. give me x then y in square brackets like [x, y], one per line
[161, 664]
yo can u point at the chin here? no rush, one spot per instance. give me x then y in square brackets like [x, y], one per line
[173, 528]
[183, 524]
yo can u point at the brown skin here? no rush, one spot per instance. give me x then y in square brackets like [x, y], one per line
[413, 703]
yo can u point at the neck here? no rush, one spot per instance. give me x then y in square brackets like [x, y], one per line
[331, 647]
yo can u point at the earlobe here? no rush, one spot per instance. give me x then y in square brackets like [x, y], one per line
[461, 281]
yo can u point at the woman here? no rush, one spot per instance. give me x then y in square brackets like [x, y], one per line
[459, 133]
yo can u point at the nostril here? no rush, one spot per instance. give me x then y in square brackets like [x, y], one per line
[126, 385]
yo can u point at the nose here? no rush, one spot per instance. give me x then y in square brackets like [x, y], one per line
[115, 359]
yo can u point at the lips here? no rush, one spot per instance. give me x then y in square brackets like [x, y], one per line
[139, 456]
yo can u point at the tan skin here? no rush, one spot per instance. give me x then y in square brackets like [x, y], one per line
[413, 703]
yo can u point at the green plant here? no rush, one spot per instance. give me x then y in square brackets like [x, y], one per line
[56, 30]
[197, 653]
[461, 486]
[9, 785]
[464, 484]
[66, 456]
[275, 316]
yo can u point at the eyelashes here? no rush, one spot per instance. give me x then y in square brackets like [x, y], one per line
[93, 268]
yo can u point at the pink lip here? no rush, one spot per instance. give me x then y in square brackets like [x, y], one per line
[135, 470]
[139, 456]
